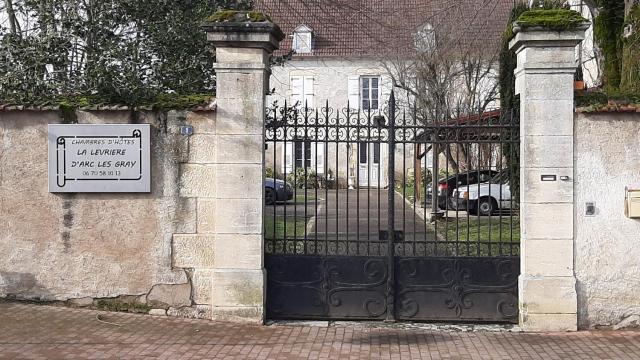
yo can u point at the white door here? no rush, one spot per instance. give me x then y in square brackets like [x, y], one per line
[369, 169]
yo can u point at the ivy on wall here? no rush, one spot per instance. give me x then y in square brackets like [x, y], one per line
[607, 31]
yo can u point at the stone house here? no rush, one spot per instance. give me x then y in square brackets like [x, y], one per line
[341, 54]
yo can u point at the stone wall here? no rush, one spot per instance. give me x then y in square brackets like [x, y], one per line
[607, 158]
[135, 251]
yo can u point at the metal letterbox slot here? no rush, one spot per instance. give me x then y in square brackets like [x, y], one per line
[632, 202]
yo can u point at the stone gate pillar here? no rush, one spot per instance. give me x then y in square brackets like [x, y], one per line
[544, 80]
[242, 73]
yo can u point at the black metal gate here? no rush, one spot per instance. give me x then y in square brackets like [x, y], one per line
[357, 226]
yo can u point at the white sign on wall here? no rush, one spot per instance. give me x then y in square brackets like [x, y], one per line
[99, 158]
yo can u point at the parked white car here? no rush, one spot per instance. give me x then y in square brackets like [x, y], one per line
[484, 198]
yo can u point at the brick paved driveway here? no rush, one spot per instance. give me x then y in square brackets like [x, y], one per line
[46, 332]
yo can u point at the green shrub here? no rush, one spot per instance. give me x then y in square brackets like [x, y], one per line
[303, 178]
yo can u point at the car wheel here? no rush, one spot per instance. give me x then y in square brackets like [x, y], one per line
[486, 206]
[270, 196]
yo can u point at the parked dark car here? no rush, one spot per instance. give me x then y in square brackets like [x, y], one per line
[448, 185]
[276, 190]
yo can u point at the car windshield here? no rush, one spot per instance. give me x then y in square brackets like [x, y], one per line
[501, 178]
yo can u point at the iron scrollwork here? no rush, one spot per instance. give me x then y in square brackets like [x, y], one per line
[327, 287]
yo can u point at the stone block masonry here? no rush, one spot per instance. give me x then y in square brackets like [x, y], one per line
[133, 252]
[544, 81]
[193, 246]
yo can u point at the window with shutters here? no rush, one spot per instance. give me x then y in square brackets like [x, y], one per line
[370, 94]
[302, 91]
[303, 154]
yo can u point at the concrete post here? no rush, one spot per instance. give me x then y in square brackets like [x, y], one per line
[242, 73]
[544, 80]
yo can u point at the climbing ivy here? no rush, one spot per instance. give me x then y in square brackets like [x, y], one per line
[607, 30]
[630, 76]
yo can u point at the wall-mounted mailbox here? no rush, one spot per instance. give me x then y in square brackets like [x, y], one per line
[632, 201]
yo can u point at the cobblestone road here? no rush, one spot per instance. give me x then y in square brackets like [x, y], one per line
[47, 332]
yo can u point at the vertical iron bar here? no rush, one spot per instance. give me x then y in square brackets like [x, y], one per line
[306, 175]
[326, 169]
[274, 239]
[317, 138]
[500, 169]
[457, 193]
[466, 199]
[337, 180]
[512, 145]
[357, 186]
[348, 148]
[404, 179]
[478, 240]
[296, 141]
[293, 150]
[367, 144]
[391, 209]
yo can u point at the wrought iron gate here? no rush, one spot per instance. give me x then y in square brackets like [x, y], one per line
[356, 226]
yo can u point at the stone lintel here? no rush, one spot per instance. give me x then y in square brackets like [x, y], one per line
[544, 38]
[244, 67]
[261, 35]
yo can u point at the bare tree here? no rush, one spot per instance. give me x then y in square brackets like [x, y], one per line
[450, 77]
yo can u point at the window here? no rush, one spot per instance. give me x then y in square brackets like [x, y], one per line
[370, 86]
[302, 91]
[426, 38]
[363, 154]
[302, 39]
[303, 154]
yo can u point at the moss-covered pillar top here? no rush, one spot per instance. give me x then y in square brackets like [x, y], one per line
[238, 35]
[546, 39]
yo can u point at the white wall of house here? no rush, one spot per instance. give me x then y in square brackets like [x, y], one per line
[337, 83]
[335, 80]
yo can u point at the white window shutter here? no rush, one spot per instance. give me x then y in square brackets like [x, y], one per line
[385, 90]
[288, 158]
[308, 92]
[319, 157]
[297, 90]
[354, 92]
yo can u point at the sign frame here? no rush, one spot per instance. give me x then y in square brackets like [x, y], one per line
[103, 146]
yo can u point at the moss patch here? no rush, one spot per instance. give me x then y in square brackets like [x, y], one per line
[612, 101]
[554, 19]
[69, 103]
[238, 16]
[120, 305]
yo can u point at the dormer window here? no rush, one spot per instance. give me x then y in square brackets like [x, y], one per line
[302, 39]
[426, 38]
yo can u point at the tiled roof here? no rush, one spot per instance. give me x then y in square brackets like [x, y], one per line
[385, 27]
